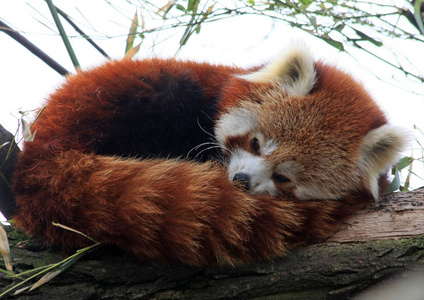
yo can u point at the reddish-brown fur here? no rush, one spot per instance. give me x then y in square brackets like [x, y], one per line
[159, 209]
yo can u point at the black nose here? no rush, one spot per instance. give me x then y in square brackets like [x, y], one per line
[243, 180]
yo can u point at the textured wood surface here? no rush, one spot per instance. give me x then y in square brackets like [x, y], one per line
[384, 240]
[398, 215]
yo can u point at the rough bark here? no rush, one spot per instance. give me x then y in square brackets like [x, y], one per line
[8, 158]
[383, 240]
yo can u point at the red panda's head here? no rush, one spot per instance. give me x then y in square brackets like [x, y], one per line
[303, 126]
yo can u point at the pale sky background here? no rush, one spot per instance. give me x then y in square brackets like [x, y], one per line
[244, 41]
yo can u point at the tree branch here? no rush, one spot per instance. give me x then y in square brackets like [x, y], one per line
[385, 239]
[34, 49]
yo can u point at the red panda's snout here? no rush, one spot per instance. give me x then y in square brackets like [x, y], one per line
[243, 180]
[251, 172]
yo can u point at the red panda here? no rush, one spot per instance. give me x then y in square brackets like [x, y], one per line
[205, 164]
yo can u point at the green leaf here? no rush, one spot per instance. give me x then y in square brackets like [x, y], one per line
[180, 7]
[192, 5]
[339, 27]
[404, 162]
[394, 185]
[197, 30]
[305, 2]
[417, 15]
[366, 37]
[313, 21]
[185, 36]
[333, 43]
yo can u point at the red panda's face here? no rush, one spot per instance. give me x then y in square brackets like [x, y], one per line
[280, 135]
[284, 144]
[290, 144]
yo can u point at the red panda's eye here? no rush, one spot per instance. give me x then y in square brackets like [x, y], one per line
[254, 144]
[280, 178]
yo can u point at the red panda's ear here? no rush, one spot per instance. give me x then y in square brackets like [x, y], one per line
[380, 149]
[294, 70]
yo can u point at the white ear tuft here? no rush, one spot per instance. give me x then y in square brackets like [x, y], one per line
[294, 70]
[380, 150]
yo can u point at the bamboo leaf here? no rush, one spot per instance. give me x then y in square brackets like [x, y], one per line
[132, 33]
[167, 7]
[187, 33]
[46, 278]
[197, 29]
[368, 38]
[133, 51]
[181, 8]
[407, 182]
[26, 131]
[4, 249]
[394, 185]
[404, 162]
[49, 276]
[305, 2]
[143, 22]
[418, 16]
[49, 268]
[209, 10]
[195, 25]
[339, 27]
[333, 43]
[192, 5]
[17, 292]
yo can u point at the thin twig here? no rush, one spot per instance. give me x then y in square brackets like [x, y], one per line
[77, 29]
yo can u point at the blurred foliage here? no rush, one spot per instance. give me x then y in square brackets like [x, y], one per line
[343, 24]
[362, 24]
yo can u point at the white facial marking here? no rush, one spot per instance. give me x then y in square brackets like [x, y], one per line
[269, 147]
[238, 121]
[256, 167]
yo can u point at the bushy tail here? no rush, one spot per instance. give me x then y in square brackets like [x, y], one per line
[161, 210]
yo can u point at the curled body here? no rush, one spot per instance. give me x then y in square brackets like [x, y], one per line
[205, 164]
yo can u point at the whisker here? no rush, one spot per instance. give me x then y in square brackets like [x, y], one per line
[204, 130]
[223, 147]
[214, 144]
[209, 148]
[195, 148]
